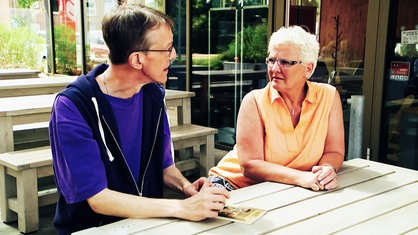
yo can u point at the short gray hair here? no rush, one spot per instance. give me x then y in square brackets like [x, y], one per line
[127, 29]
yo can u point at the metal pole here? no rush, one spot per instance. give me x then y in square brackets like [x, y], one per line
[355, 137]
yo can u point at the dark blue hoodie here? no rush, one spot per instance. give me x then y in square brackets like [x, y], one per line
[87, 96]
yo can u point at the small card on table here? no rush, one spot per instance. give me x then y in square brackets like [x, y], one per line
[241, 214]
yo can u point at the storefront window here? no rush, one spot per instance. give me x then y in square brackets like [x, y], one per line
[22, 35]
[25, 32]
[399, 142]
[229, 46]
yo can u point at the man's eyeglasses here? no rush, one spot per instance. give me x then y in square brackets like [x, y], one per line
[281, 62]
[169, 50]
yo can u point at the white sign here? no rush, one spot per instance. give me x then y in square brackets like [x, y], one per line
[410, 37]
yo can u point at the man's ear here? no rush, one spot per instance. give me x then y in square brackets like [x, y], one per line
[136, 60]
[141, 59]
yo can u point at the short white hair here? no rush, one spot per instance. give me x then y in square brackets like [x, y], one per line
[306, 43]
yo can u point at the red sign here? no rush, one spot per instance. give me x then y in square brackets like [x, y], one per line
[67, 12]
[399, 71]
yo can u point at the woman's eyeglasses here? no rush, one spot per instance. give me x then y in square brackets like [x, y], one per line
[281, 63]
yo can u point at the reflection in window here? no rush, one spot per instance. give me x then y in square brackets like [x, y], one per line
[229, 44]
[22, 35]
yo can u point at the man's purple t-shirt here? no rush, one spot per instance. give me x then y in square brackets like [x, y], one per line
[79, 170]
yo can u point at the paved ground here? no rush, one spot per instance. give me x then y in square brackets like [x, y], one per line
[46, 213]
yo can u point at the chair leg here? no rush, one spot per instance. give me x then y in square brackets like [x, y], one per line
[207, 159]
[7, 190]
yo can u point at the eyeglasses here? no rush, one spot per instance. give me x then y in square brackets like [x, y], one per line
[169, 50]
[281, 63]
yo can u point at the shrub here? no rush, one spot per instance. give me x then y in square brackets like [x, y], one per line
[65, 49]
[254, 48]
[20, 48]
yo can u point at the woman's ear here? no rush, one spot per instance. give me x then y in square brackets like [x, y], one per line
[309, 70]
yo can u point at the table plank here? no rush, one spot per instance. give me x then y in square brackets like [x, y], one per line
[357, 212]
[291, 211]
[18, 73]
[182, 227]
[412, 231]
[22, 105]
[12, 106]
[125, 226]
[33, 86]
[395, 222]
[255, 191]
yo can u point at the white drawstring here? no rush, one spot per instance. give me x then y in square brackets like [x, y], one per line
[168, 119]
[96, 106]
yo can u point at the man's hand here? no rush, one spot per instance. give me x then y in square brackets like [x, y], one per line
[195, 187]
[206, 203]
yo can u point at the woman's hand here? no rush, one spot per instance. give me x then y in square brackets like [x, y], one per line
[310, 180]
[326, 177]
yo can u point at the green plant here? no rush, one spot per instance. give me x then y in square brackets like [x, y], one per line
[20, 47]
[65, 49]
[26, 3]
[214, 61]
[409, 50]
[254, 45]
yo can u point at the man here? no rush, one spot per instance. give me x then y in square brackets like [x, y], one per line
[110, 135]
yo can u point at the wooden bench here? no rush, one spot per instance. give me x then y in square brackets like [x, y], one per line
[189, 135]
[20, 197]
[21, 170]
[30, 135]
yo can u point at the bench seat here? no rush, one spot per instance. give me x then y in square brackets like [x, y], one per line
[20, 198]
[190, 135]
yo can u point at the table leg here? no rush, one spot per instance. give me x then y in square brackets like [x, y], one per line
[6, 134]
[185, 112]
[27, 196]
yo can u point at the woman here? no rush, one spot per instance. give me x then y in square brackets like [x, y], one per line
[292, 130]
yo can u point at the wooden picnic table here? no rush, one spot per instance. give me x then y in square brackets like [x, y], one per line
[37, 108]
[372, 198]
[33, 86]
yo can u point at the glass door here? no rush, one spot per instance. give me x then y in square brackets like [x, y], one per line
[399, 142]
[236, 50]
